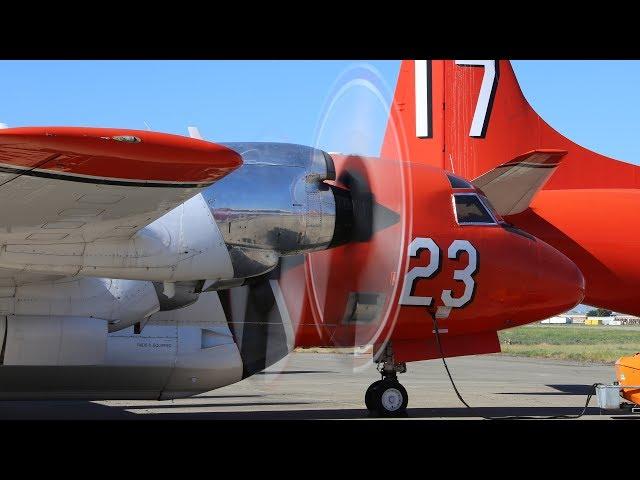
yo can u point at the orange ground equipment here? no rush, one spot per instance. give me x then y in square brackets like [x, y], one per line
[628, 373]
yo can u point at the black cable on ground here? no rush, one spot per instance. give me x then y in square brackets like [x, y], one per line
[508, 417]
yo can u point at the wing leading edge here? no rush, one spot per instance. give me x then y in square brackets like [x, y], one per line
[69, 184]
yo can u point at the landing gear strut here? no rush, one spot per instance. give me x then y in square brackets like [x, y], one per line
[387, 397]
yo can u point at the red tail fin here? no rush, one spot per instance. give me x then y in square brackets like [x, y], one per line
[469, 116]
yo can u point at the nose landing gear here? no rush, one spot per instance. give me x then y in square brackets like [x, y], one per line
[387, 397]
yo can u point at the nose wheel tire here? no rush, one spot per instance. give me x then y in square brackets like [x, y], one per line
[387, 398]
[368, 396]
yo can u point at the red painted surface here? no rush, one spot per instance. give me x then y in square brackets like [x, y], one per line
[518, 280]
[588, 208]
[94, 152]
[452, 346]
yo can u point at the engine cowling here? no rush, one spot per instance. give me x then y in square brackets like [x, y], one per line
[276, 204]
[177, 354]
[121, 303]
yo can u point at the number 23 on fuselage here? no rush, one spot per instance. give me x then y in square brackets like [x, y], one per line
[472, 269]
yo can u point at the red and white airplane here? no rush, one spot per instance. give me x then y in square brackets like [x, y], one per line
[136, 264]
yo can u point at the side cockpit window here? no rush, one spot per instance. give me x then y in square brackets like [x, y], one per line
[470, 210]
[471, 207]
[491, 208]
[457, 182]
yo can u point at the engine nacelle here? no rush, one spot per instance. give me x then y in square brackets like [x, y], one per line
[121, 303]
[178, 353]
[276, 204]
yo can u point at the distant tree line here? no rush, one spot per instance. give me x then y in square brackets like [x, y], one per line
[599, 312]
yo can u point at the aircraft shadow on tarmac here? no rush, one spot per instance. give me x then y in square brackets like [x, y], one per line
[560, 390]
[412, 413]
[294, 372]
[204, 395]
[82, 410]
[212, 405]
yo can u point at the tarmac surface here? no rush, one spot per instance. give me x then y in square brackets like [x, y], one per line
[331, 386]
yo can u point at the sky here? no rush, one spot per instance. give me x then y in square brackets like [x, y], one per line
[592, 102]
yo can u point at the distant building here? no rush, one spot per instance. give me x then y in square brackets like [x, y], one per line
[628, 319]
[557, 320]
[576, 318]
[565, 318]
[605, 320]
[602, 321]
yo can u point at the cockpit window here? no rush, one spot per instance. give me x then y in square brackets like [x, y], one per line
[457, 182]
[471, 211]
[492, 209]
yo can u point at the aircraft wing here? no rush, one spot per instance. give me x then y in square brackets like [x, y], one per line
[77, 185]
[511, 186]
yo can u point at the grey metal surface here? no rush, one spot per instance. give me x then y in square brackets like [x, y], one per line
[275, 204]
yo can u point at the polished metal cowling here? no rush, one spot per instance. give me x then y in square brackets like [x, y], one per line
[275, 204]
